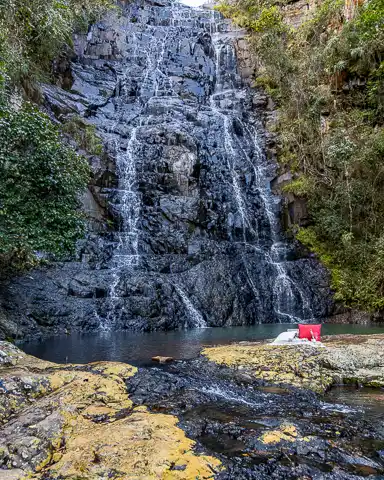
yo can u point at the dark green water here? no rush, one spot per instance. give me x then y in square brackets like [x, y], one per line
[139, 348]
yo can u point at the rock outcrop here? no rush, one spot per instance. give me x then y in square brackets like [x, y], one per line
[193, 237]
[356, 359]
[111, 420]
[77, 421]
[263, 431]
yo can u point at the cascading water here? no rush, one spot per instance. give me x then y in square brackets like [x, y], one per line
[285, 291]
[127, 207]
[224, 103]
[185, 180]
[196, 317]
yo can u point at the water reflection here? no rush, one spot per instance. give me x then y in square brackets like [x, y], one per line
[139, 348]
[368, 401]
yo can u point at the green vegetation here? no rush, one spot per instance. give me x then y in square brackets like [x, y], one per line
[41, 176]
[41, 180]
[327, 78]
[84, 135]
[33, 33]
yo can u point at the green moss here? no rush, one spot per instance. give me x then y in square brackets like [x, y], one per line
[84, 134]
[300, 186]
[373, 384]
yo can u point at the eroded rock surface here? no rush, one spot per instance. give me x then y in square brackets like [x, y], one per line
[345, 359]
[185, 420]
[77, 421]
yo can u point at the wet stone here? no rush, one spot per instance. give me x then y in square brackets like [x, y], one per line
[160, 359]
[183, 188]
[82, 424]
[259, 431]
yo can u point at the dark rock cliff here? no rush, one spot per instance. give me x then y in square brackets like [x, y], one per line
[185, 227]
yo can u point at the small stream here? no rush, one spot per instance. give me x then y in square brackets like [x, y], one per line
[242, 421]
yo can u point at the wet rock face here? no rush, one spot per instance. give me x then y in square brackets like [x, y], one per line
[262, 431]
[196, 239]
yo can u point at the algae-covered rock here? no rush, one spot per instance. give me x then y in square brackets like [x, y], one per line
[345, 358]
[143, 444]
[77, 421]
[293, 365]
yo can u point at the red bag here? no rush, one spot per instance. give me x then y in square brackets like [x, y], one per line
[310, 332]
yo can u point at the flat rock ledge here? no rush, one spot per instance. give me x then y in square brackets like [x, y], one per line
[77, 422]
[357, 359]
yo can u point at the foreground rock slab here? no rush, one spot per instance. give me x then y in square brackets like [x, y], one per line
[77, 421]
[261, 431]
[345, 359]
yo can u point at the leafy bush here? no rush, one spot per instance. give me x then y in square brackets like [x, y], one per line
[41, 180]
[41, 176]
[300, 187]
[33, 33]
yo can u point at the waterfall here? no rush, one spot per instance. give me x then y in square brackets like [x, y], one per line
[126, 254]
[196, 317]
[186, 181]
[127, 207]
[284, 288]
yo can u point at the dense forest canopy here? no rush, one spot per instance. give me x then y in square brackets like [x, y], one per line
[327, 78]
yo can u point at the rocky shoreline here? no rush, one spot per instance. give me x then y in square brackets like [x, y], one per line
[249, 412]
[346, 359]
[68, 421]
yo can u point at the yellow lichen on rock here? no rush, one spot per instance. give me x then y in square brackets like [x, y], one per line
[86, 388]
[293, 365]
[142, 445]
[348, 358]
[82, 425]
[287, 433]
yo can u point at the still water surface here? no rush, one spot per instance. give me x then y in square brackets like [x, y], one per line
[138, 348]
